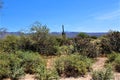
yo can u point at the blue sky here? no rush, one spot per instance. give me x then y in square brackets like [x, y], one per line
[75, 15]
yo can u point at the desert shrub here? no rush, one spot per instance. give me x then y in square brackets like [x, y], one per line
[4, 66]
[105, 74]
[25, 43]
[63, 41]
[92, 50]
[41, 72]
[87, 47]
[83, 35]
[81, 44]
[16, 68]
[52, 75]
[15, 65]
[30, 61]
[72, 65]
[63, 50]
[114, 59]
[46, 74]
[117, 64]
[93, 37]
[10, 66]
[9, 43]
[111, 42]
[105, 46]
[114, 40]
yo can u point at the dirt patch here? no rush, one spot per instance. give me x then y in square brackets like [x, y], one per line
[50, 63]
[117, 76]
[99, 64]
[86, 77]
[28, 77]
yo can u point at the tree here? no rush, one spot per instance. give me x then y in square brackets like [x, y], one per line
[38, 35]
[41, 40]
[82, 35]
[39, 31]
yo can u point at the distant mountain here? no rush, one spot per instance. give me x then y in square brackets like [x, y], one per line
[74, 34]
[9, 33]
[69, 34]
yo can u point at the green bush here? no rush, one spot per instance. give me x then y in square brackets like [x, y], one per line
[105, 46]
[111, 42]
[9, 43]
[87, 47]
[72, 65]
[4, 66]
[15, 65]
[46, 74]
[117, 64]
[114, 59]
[92, 50]
[83, 35]
[16, 68]
[10, 66]
[65, 50]
[52, 75]
[81, 44]
[41, 40]
[30, 61]
[105, 74]
[114, 40]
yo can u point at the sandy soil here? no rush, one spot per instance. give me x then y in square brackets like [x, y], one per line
[28, 77]
[99, 64]
[117, 76]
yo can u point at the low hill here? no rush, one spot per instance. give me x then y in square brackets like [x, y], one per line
[73, 34]
[69, 34]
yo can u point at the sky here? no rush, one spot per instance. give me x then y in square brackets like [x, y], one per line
[75, 15]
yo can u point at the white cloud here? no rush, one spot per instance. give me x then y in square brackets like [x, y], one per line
[110, 15]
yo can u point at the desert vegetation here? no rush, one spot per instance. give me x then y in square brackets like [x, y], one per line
[73, 57]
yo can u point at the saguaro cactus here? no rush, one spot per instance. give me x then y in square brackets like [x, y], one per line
[63, 33]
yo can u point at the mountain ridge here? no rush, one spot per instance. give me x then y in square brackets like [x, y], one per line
[74, 34]
[68, 34]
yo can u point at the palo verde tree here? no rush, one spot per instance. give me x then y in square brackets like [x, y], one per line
[41, 40]
[82, 35]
